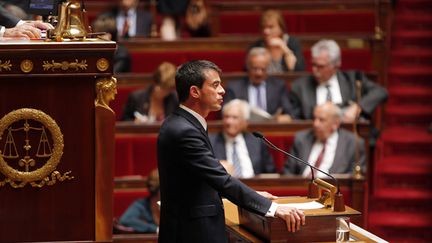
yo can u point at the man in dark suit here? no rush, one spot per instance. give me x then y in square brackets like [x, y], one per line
[11, 26]
[131, 20]
[192, 180]
[326, 145]
[328, 83]
[239, 150]
[260, 90]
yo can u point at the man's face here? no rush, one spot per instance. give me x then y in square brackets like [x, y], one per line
[128, 4]
[257, 68]
[323, 124]
[233, 121]
[211, 93]
[322, 68]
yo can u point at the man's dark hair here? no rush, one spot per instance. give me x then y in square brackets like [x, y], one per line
[192, 73]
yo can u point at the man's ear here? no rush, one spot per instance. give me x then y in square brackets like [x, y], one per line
[194, 92]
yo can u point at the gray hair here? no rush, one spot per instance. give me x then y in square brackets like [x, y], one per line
[257, 51]
[241, 104]
[329, 46]
[334, 110]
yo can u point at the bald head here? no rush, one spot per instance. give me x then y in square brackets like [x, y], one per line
[327, 119]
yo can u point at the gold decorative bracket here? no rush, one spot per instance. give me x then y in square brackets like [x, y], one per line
[5, 65]
[65, 65]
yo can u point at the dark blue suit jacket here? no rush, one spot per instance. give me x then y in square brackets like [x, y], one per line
[192, 182]
[262, 161]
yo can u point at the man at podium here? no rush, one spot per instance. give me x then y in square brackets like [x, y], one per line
[191, 178]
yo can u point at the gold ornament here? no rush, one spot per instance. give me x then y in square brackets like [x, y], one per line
[26, 159]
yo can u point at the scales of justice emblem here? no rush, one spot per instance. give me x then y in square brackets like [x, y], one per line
[31, 146]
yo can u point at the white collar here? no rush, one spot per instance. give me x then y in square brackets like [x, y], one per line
[201, 119]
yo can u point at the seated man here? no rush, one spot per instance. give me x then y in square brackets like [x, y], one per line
[328, 83]
[239, 150]
[260, 90]
[327, 147]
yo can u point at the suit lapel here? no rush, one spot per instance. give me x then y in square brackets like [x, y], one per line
[188, 116]
[311, 97]
[339, 154]
[253, 151]
[344, 88]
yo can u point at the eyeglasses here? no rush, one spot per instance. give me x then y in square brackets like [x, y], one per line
[320, 66]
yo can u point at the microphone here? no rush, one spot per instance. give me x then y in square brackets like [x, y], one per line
[271, 145]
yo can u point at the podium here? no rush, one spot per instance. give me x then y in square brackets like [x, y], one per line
[56, 141]
[244, 226]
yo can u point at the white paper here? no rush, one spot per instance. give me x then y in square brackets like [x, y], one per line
[306, 205]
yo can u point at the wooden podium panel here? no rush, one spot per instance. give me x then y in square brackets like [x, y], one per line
[55, 80]
[320, 224]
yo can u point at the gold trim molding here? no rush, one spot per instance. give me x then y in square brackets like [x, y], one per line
[65, 65]
[102, 64]
[5, 65]
[106, 89]
[17, 122]
[26, 66]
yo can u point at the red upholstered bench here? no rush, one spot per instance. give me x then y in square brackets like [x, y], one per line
[227, 60]
[347, 21]
[136, 153]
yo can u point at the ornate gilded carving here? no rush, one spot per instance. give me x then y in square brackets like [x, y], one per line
[5, 65]
[65, 65]
[26, 66]
[22, 164]
[102, 64]
[106, 89]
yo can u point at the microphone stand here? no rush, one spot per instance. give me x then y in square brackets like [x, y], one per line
[339, 205]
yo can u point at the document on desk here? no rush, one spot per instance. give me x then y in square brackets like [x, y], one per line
[306, 205]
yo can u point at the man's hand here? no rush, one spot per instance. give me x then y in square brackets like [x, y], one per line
[27, 30]
[351, 113]
[293, 217]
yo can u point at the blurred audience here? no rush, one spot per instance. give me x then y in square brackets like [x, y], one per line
[241, 153]
[260, 90]
[131, 21]
[285, 50]
[326, 146]
[122, 59]
[155, 102]
[197, 19]
[142, 216]
[328, 83]
[171, 11]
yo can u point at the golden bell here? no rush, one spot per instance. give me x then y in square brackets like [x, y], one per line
[72, 22]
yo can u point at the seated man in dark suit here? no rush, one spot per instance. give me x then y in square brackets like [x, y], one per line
[326, 146]
[131, 21]
[260, 90]
[328, 83]
[244, 154]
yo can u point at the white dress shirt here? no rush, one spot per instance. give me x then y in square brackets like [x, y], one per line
[242, 152]
[329, 155]
[321, 91]
[252, 95]
[132, 22]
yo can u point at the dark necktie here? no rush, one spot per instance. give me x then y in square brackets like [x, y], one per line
[236, 161]
[319, 159]
[329, 95]
[125, 30]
